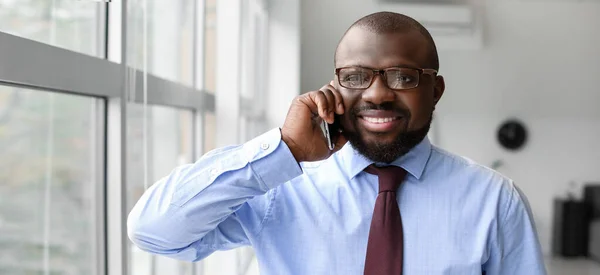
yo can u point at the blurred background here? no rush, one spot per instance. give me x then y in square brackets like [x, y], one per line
[100, 99]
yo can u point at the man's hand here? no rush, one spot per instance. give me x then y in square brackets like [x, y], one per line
[301, 130]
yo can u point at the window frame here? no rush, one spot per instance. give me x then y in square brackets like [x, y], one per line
[106, 77]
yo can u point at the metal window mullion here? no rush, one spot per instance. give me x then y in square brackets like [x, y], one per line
[124, 244]
[198, 150]
[115, 207]
[198, 83]
[102, 30]
[117, 248]
[199, 43]
[99, 133]
[172, 94]
[35, 65]
[198, 80]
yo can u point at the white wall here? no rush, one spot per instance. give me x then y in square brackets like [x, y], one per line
[539, 63]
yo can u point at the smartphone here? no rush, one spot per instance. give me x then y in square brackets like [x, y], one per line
[330, 131]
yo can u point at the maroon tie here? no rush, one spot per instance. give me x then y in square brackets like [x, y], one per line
[384, 249]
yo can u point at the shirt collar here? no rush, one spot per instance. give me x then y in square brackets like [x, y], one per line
[413, 162]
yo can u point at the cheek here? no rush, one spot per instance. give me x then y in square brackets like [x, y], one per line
[349, 97]
[347, 121]
[350, 102]
[420, 106]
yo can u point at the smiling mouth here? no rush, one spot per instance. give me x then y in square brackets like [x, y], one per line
[380, 124]
[378, 120]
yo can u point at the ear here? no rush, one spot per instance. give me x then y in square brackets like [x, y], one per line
[438, 89]
[334, 82]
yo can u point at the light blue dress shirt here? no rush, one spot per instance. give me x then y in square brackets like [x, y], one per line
[459, 217]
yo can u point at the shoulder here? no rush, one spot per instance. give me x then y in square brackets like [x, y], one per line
[476, 178]
[496, 195]
[448, 163]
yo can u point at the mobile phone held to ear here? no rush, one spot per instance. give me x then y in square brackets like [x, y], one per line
[331, 131]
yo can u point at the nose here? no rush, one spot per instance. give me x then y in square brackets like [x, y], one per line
[378, 93]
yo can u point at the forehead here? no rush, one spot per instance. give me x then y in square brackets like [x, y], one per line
[361, 47]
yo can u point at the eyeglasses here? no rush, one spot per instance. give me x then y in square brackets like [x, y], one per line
[396, 78]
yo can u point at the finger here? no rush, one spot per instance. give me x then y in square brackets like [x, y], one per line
[329, 95]
[330, 102]
[321, 101]
[307, 100]
[339, 100]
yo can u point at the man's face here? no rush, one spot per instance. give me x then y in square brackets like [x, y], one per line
[381, 123]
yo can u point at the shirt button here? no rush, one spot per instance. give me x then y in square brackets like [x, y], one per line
[264, 146]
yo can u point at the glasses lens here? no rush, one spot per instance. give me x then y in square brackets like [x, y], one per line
[402, 78]
[355, 78]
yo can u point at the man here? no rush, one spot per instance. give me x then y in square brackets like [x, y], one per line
[384, 201]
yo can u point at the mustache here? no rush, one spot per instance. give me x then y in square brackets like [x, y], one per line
[388, 106]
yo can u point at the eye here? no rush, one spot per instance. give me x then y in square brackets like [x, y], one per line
[355, 79]
[405, 79]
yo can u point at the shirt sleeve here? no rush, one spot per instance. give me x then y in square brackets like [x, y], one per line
[215, 203]
[516, 249]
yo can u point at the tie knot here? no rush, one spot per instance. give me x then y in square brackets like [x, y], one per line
[390, 177]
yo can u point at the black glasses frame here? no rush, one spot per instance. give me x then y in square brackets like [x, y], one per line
[382, 72]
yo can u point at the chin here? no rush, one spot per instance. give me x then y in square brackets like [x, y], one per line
[386, 147]
[380, 138]
[373, 143]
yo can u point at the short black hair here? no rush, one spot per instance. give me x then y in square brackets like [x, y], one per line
[390, 22]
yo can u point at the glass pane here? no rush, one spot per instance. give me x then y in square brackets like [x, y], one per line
[48, 179]
[170, 38]
[64, 23]
[254, 79]
[169, 144]
[210, 46]
[210, 131]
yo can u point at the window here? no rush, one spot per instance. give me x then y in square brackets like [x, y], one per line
[68, 180]
[210, 46]
[169, 144]
[170, 40]
[167, 136]
[49, 182]
[74, 25]
[254, 78]
[209, 132]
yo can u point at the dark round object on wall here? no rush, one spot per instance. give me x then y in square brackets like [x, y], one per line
[512, 135]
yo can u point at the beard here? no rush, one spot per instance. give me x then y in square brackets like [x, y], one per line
[387, 152]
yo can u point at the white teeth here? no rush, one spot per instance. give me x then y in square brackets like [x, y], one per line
[379, 119]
